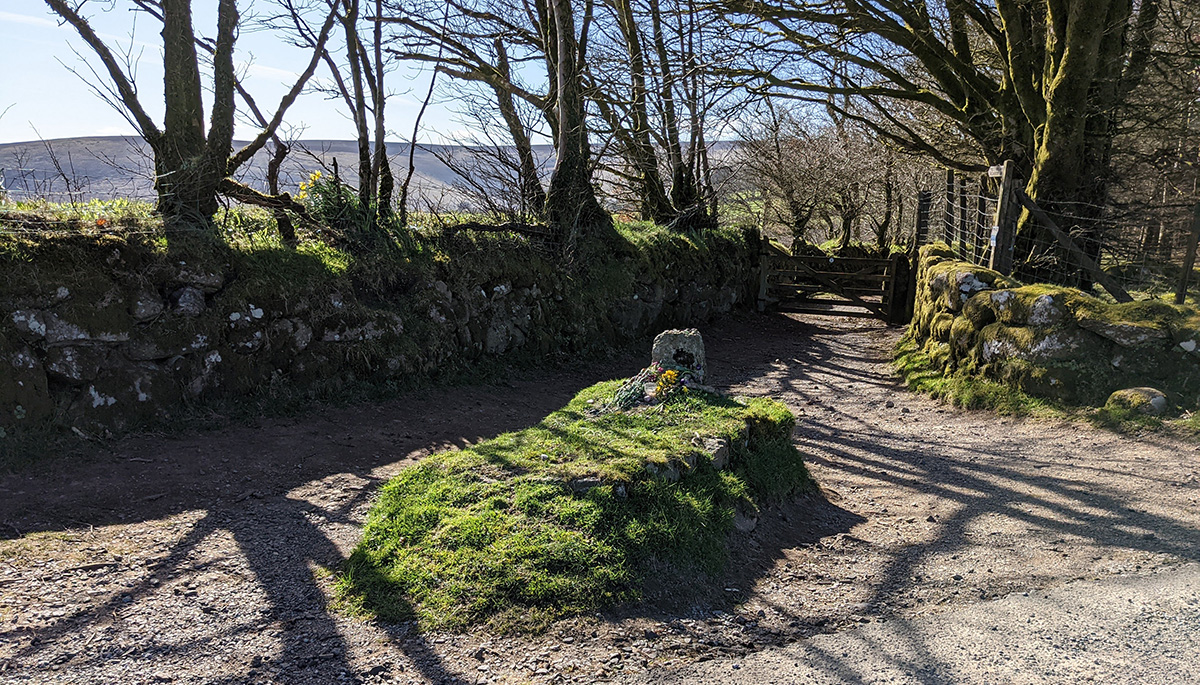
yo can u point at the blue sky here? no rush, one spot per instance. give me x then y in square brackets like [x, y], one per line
[44, 99]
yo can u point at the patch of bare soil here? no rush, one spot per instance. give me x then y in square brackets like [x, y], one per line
[206, 557]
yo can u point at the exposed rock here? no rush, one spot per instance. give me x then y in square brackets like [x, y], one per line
[1004, 342]
[24, 392]
[206, 375]
[30, 323]
[745, 521]
[668, 472]
[189, 301]
[584, 484]
[1148, 401]
[966, 284]
[1046, 311]
[208, 282]
[154, 348]
[75, 365]
[1123, 334]
[302, 336]
[147, 305]
[54, 330]
[371, 330]
[293, 334]
[125, 394]
[683, 348]
[718, 450]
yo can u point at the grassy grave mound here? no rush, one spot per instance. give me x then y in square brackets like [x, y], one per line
[571, 514]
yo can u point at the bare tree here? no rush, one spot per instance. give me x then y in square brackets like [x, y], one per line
[192, 165]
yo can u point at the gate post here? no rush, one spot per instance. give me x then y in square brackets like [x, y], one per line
[1004, 233]
[899, 291]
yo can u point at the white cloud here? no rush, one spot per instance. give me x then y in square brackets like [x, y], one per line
[271, 72]
[27, 19]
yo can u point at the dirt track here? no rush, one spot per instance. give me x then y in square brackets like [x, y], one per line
[203, 557]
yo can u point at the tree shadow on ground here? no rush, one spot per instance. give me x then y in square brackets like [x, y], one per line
[976, 478]
[257, 485]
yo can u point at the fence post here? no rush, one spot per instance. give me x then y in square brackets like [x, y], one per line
[1189, 261]
[924, 202]
[981, 236]
[948, 210]
[1004, 232]
[964, 232]
[764, 266]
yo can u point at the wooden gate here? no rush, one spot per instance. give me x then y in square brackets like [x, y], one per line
[834, 286]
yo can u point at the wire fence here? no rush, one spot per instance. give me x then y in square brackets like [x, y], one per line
[1140, 247]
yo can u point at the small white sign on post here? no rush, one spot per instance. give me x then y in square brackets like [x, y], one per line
[996, 171]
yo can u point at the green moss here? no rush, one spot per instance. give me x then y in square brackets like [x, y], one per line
[496, 533]
[1150, 314]
[924, 370]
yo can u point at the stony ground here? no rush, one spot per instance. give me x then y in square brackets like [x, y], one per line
[207, 557]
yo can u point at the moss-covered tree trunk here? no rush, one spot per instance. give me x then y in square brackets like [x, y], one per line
[188, 166]
[571, 205]
[655, 205]
[1072, 63]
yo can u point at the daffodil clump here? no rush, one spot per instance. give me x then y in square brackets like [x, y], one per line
[313, 179]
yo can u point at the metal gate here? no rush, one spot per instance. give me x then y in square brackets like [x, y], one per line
[834, 286]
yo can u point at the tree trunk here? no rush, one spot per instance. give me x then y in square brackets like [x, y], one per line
[571, 206]
[286, 230]
[533, 196]
[655, 205]
[684, 190]
[184, 178]
[353, 48]
[380, 167]
[1070, 170]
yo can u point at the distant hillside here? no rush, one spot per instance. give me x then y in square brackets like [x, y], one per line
[111, 167]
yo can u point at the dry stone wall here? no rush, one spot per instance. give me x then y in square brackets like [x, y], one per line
[1052, 341]
[106, 336]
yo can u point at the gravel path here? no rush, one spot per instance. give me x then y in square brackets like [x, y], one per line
[206, 557]
[1128, 630]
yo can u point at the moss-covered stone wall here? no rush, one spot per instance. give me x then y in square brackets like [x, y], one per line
[104, 334]
[1051, 341]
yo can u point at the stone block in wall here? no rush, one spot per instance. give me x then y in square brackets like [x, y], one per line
[188, 301]
[939, 327]
[963, 335]
[24, 392]
[75, 364]
[125, 394]
[207, 281]
[52, 329]
[998, 342]
[979, 309]
[1125, 334]
[146, 305]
